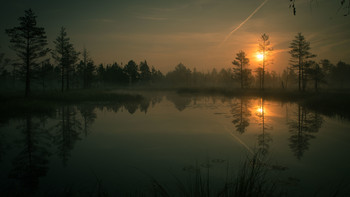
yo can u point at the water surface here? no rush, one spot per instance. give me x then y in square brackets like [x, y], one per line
[120, 147]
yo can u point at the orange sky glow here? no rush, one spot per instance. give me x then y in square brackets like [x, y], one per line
[201, 34]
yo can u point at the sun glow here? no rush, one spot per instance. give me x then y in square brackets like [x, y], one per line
[259, 56]
[260, 110]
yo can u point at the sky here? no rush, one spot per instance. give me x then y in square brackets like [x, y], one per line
[201, 34]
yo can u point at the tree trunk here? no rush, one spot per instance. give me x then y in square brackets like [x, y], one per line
[62, 78]
[67, 79]
[302, 78]
[299, 76]
[263, 71]
[241, 75]
[27, 90]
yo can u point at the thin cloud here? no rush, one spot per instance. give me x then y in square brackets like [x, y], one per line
[247, 19]
[276, 51]
[152, 18]
[169, 9]
[102, 20]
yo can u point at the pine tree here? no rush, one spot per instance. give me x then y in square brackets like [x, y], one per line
[61, 43]
[29, 42]
[86, 69]
[145, 73]
[131, 69]
[300, 52]
[65, 55]
[241, 61]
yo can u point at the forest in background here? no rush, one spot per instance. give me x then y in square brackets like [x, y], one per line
[63, 67]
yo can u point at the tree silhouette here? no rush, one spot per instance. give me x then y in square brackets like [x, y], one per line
[46, 73]
[316, 73]
[131, 70]
[29, 42]
[114, 74]
[144, 105]
[67, 132]
[180, 102]
[300, 53]
[5, 145]
[156, 75]
[340, 74]
[88, 114]
[66, 56]
[241, 61]
[145, 73]
[302, 127]
[72, 57]
[59, 54]
[180, 76]
[3, 63]
[225, 77]
[86, 69]
[264, 49]
[131, 106]
[264, 138]
[241, 115]
[288, 77]
[32, 162]
[5, 75]
[101, 73]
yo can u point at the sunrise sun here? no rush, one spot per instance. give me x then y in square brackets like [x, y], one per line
[259, 56]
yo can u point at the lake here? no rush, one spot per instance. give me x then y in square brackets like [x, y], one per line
[124, 147]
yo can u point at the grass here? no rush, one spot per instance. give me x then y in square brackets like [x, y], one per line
[255, 177]
[252, 179]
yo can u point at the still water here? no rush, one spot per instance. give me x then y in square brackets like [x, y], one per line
[121, 147]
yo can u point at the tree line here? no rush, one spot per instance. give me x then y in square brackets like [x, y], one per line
[63, 67]
[69, 68]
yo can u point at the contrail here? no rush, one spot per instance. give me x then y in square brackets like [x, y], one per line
[240, 25]
[240, 141]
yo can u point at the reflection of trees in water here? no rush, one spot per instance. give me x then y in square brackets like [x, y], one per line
[155, 100]
[241, 114]
[144, 105]
[302, 127]
[88, 114]
[4, 144]
[264, 138]
[180, 102]
[32, 161]
[131, 106]
[67, 131]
